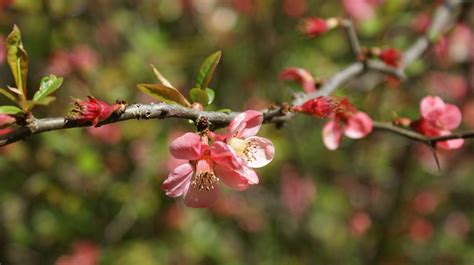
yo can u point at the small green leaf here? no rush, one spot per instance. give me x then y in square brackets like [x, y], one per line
[161, 78]
[164, 93]
[210, 95]
[199, 95]
[207, 70]
[17, 58]
[48, 85]
[10, 110]
[7, 94]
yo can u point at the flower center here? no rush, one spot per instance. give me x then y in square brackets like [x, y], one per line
[205, 179]
[247, 149]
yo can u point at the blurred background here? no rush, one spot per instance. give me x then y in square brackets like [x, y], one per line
[92, 196]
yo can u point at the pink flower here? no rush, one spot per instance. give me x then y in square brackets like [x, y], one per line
[300, 75]
[243, 146]
[421, 22]
[391, 57]
[314, 26]
[110, 133]
[345, 120]
[83, 58]
[295, 8]
[296, 193]
[94, 110]
[437, 119]
[460, 43]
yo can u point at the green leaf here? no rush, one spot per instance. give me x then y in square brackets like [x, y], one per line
[161, 78]
[42, 101]
[210, 95]
[10, 110]
[7, 94]
[48, 85]
[199, 95]
[164, 93]
[207, 70]
[17, 58]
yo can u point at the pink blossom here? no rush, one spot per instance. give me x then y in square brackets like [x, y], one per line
[110, 133]
[457, 225]
[359, 223]
[83, 58]
[437, 119]
[319, 107]
[59, 63]
[420, 230]
[300, 75]
[242, 145]
[360, 9]
[345, 120]
[421, 22]
[451, 85]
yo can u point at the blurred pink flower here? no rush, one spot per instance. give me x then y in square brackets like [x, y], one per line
[421, 22]
[110, 133]
[296, 193]
[420, 230]
[83, 58]
[425, 202]
[59, 63]
[93, 110]
[461, 43]
[438, 118]
[361, 9]
[359, 223]
[4, 4]
[457, 225]
[295, 8]
[2, 49]
[244, 6]
[468, 114]
[300, 75]
[84, 253]
[453, 86]
[441, 52]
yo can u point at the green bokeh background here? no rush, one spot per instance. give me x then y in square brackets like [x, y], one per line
[64, 187]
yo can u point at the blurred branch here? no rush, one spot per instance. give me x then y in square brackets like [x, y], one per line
[351, 33]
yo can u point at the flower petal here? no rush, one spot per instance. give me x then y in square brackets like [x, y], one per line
[196, 198]
[178, 180]
[187, 147]
[300, 75]
[332, 134]
[430, 104]
[225, 156]
[450, 144]
[358, 125]
[259, 152]
[245, 124]
[231, 178]
[451, 117]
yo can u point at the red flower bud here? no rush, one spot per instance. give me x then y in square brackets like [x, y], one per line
[93, 110]
[314, 26]
[391, 57]
[319, 107]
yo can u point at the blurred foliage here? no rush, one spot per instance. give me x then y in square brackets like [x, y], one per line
[96, 192]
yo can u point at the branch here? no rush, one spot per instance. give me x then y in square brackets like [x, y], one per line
[138, 111]
[277, 115]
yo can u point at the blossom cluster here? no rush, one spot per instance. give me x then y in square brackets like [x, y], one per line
[212, 157]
